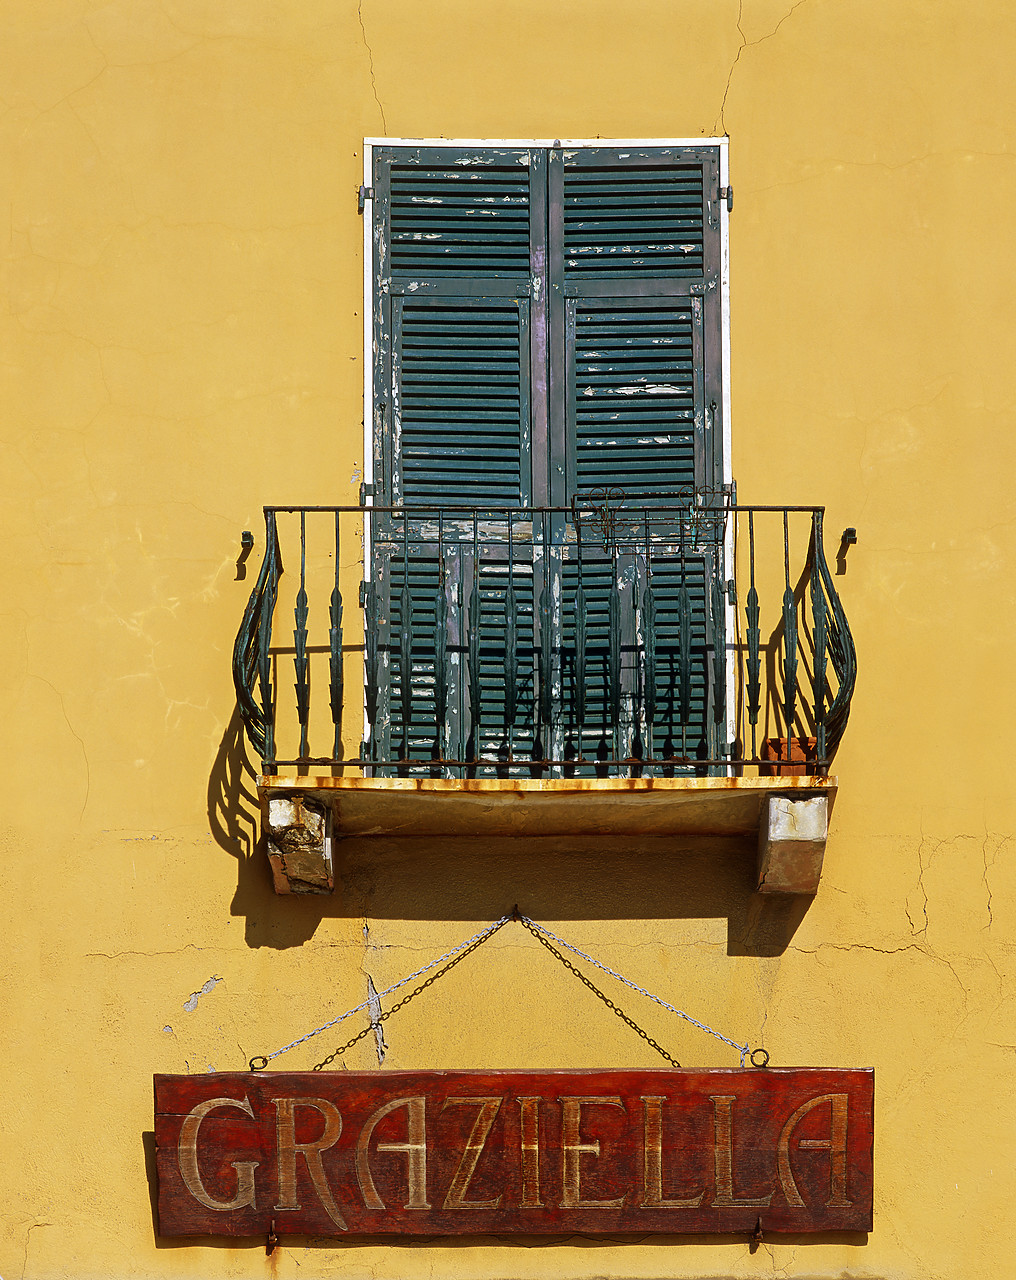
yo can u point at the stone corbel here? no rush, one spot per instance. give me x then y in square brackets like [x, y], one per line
[298, 838]
[791, 843]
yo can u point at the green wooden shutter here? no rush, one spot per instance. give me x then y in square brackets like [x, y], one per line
[635, 376]
[548, 324]
[460, 376]
[635, 258]
[460, 401]
[634, 241]
[411, 712]
[429, 653]
[455, 238]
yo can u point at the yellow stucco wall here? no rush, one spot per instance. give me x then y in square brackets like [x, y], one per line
[181, 342]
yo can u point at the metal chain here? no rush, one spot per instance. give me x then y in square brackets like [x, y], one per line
[541, 934]
[376, 1022]
[260, 1063]
[598, 993]
[743, 1049]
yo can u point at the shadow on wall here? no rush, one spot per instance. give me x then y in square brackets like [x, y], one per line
[476, 879]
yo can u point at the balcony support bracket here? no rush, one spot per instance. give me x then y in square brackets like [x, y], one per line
[298, 840]
[791, 843]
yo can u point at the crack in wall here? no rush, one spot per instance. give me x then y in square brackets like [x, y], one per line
[28, 1241]
[762, 1025]
[924, 950]
[370, 59]
[923, 866]
[150, 955]
[984, 878]
[75, 734]
[1001, 842]
[720, 124]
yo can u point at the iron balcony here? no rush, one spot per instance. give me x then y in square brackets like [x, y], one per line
[692, 637]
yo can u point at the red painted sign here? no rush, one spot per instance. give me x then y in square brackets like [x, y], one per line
[526, 1152]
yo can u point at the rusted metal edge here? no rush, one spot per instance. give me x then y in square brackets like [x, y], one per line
[551, 786]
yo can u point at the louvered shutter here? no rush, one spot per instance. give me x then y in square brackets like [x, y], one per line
[635, 297]
[447, 689]
[455, 235]
[635, 373]
[547, 324]
[641, 677]
[460, 377]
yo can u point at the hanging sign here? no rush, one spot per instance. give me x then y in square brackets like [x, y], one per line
[525, 1152]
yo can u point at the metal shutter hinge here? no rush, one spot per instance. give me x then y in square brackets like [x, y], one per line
[726, 193]
[366, 193]
[366, 491]
[731, 591]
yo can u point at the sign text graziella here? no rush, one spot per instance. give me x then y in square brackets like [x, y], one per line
[462, 1152]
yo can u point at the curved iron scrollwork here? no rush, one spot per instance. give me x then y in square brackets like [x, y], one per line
[832, 634]
[602, 507]
[251, 652]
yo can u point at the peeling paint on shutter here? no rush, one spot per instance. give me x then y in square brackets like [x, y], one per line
[632, 219]
[548, 324]
[635, 267]
[635, 255]
[466, 219]
[633, 380]
[683, 699]
[412, 659]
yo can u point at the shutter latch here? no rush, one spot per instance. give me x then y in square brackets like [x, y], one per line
[726, 193]
[367, 193]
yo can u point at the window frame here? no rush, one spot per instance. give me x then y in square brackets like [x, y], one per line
[370, 426]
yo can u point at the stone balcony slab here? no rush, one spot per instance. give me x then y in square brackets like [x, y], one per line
[305, 817]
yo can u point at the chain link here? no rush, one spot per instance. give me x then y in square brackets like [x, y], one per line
[598, 993]
[372, 1026]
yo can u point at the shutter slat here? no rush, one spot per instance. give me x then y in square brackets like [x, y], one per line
[469, 219]
[655, 223]
[633, 405]
[460, 406]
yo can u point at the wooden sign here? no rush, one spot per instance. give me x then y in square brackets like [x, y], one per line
[526, 1152]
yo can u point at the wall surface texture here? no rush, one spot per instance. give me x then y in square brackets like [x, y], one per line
[181, 337]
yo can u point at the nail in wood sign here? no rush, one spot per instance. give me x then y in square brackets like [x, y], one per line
[526, 1152]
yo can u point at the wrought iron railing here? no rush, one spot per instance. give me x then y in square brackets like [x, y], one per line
[603, 639]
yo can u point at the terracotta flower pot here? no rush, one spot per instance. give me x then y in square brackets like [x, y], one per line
[788, 758]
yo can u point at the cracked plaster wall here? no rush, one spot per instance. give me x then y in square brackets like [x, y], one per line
[181, 340]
